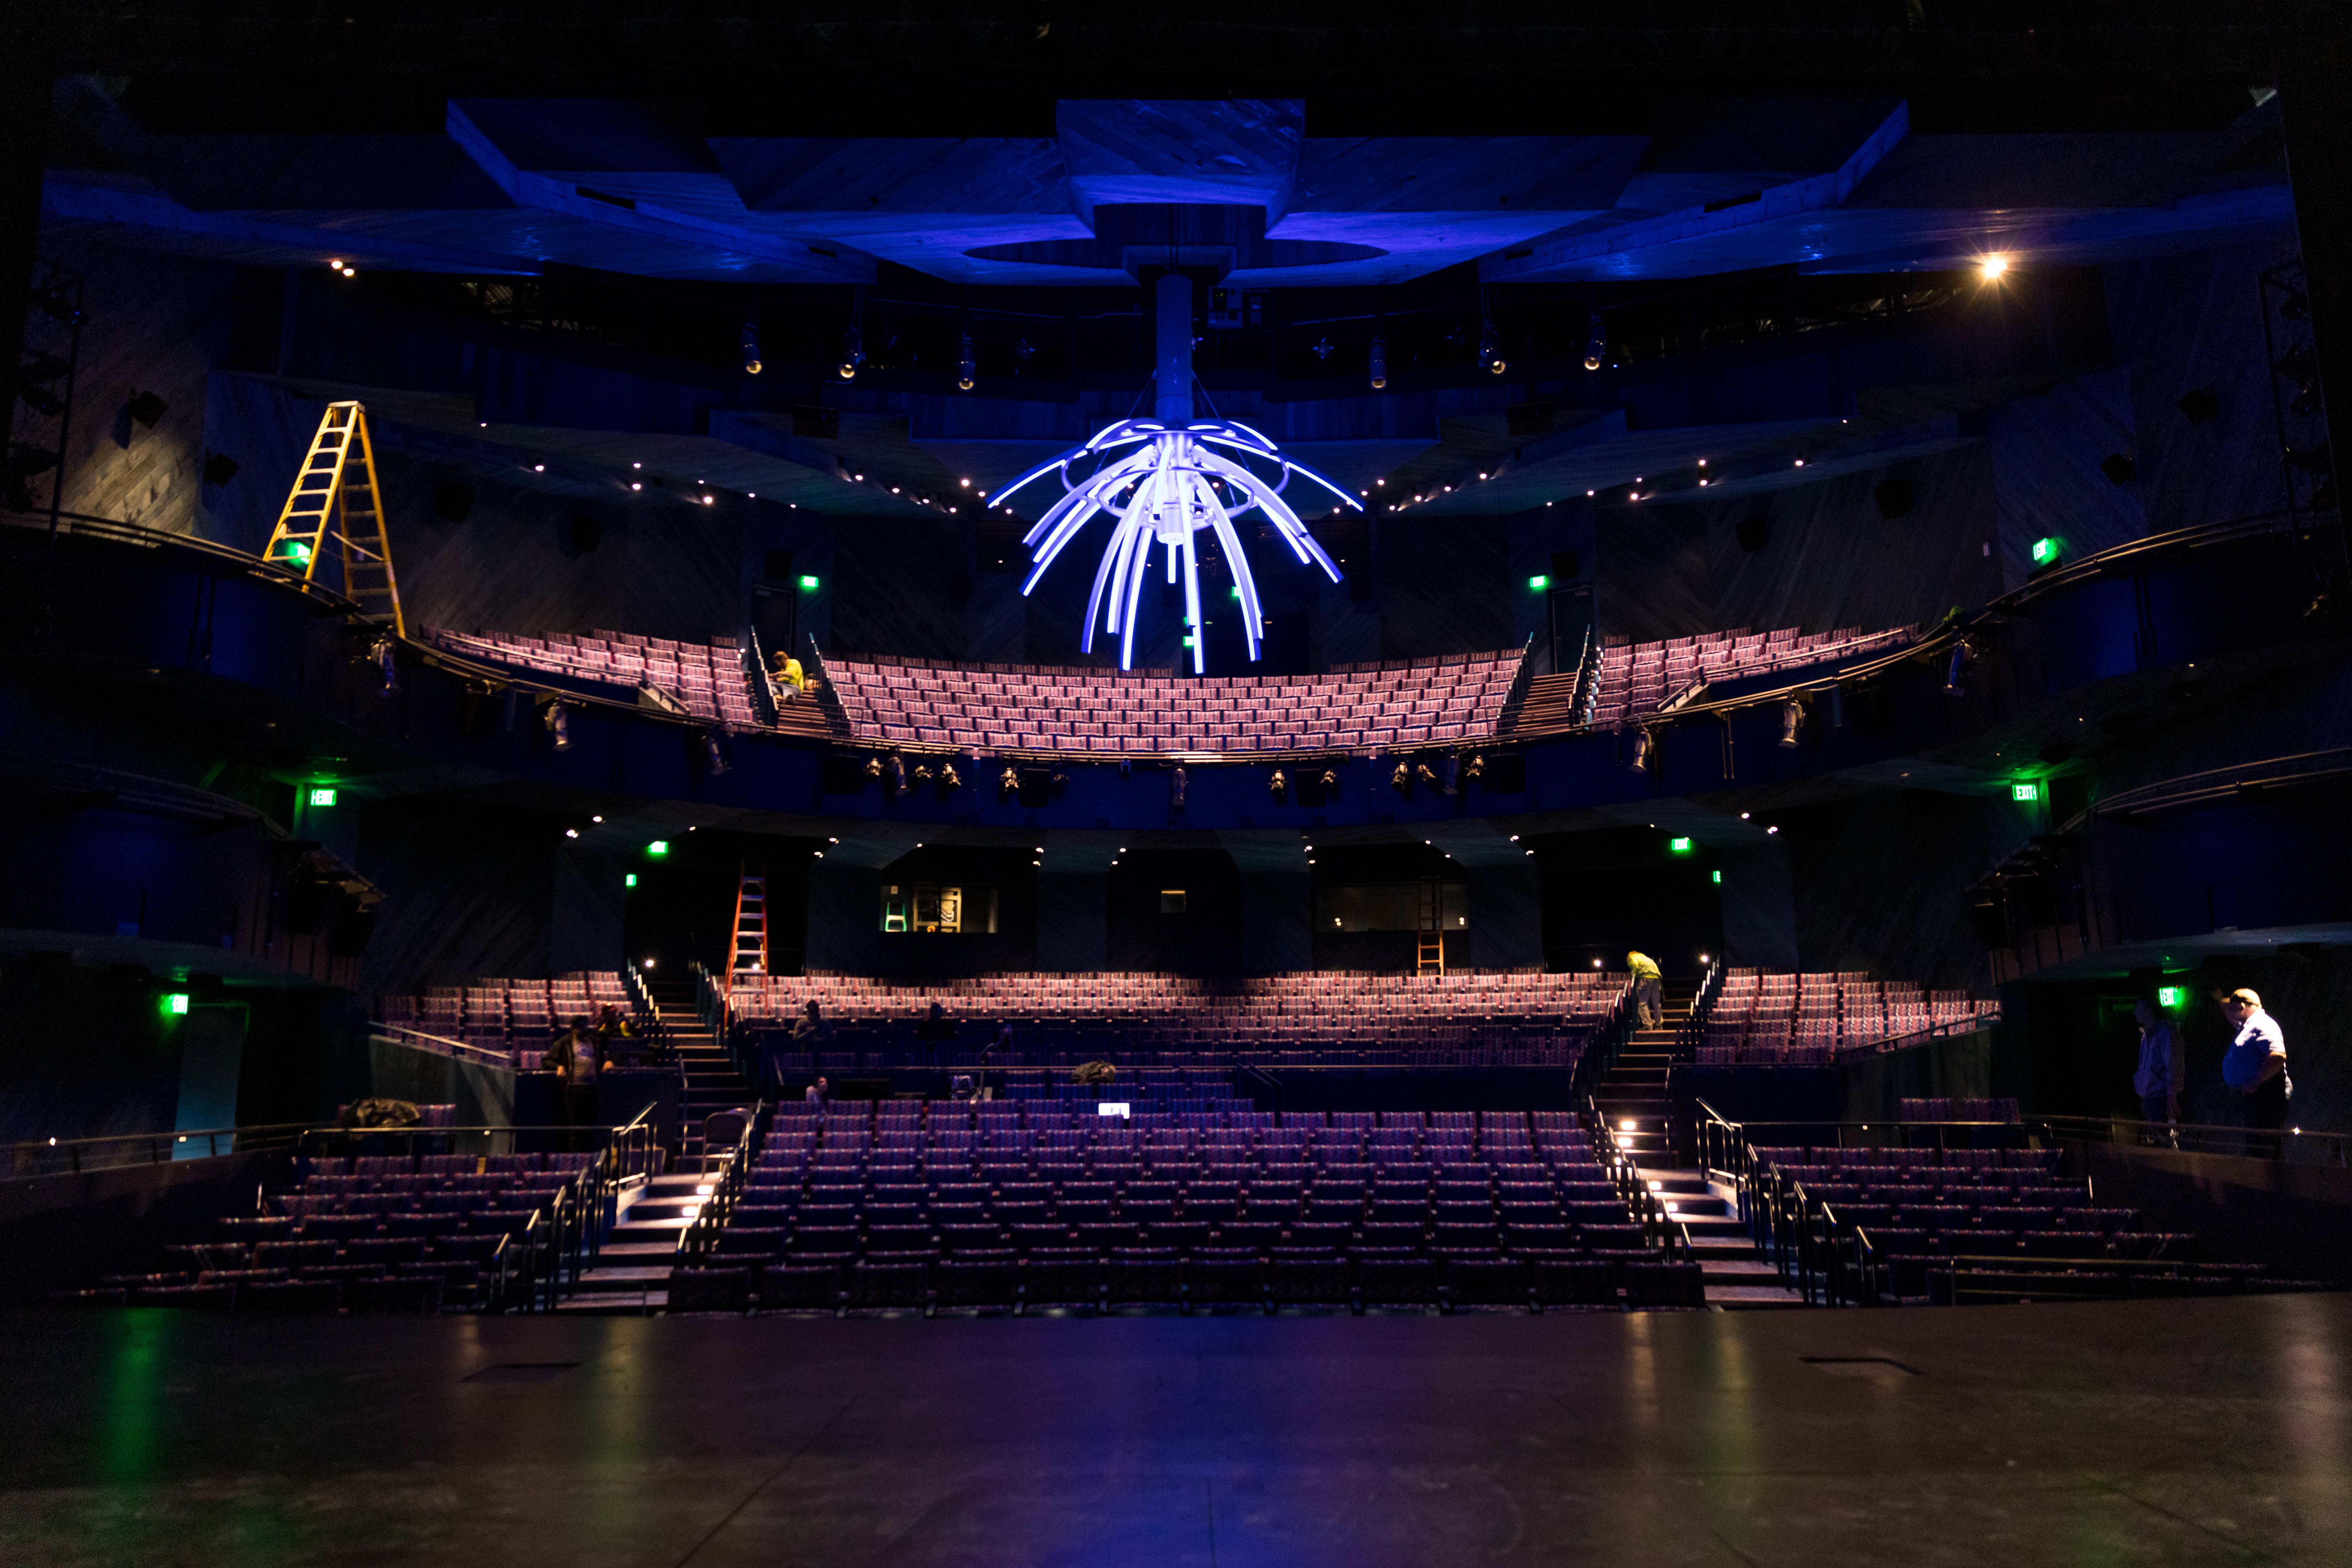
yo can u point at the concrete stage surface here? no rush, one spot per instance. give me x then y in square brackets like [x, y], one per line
[2210, 1431]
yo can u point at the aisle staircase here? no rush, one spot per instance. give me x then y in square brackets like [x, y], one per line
[631, 1271]
[1633, 1096]
[1548, 705]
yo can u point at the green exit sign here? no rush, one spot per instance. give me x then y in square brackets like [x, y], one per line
[2045, 550]
[2168, 995]
[175, 1004]
[630, 880]
[322, 796]
[1679, 845]
[1539, 583]
[2026, 791]
[659, 846]
[808, 584]
[1718, 878]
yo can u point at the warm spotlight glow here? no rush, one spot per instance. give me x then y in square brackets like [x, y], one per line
[1992, 267]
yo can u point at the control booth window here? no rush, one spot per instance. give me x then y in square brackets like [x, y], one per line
[1394, 906]
[940, 908]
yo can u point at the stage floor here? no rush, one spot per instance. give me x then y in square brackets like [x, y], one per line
[2215, 1431]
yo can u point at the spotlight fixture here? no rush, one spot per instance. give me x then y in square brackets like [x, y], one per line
[1792, 723]
[1596, 344]
[1641, 751]
[386, 654]
[1952, 670]
[559, 726]
[1992, 267]
[1176, 793]
[751, 348]
[714, 759]
[1379, 367]
[1490, 355]
[852, 352]
[967, 371]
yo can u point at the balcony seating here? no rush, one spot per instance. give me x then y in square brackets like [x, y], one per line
[1634, 678]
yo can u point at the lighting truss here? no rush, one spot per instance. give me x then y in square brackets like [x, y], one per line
[1161, 482]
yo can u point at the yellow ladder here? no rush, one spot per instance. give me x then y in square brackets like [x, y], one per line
[751, 923]
[1429, 954]
[311, 522]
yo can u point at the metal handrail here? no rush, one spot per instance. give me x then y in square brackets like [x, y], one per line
[119, 1150]
[398, 1034]
[716, 1209]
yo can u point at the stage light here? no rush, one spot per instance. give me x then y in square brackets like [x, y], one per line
[1380, 366]
[539, 468]
[1992, 267]
[714, 760]
[1596, 344]
[1490, 356]
[1800, 462]
[1641, 750]
[1792, 723]
[334, 264]
[967, 372]
[571, 833]
[710, 500]
[1959, 660]
[2025, 790]
[559, 726]
[751, 348]
[853, 353]
[351, 271]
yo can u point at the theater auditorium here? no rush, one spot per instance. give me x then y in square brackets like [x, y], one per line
[1204, 786]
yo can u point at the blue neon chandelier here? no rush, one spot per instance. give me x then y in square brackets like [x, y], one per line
[1162, 482]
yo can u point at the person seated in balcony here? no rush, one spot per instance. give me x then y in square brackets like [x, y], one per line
[785, 677]
[935, 1027]
[1649, 997]
[616, 1038]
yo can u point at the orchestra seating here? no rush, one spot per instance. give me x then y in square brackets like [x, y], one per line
[413, 1233]
[1001, 1206]
[1945, 1225]
[1456, 699]
[1634, 678]
[1779, 1019]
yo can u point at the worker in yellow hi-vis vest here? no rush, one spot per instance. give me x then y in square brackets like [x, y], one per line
[1648, 995]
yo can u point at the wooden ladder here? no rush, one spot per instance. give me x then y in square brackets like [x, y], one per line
[311, 519]
[751, 923]
[1429, 954]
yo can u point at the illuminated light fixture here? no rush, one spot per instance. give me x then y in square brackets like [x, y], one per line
[710, 500]
[176, 1004]
[808, 584]
[1596, 344]
[1379, 368]
[539, 468]
[1717, 878]
[1771, 830]
[629, 880]
[335, 263]
[647, 964]
[967, 371]
[1992, 267]
[1641, 750]
[852, 352]
[751, 348]
[1679, 845]
[571, 833]
[1702, 484]
[2168, 995]
[714, 759]
[2045, 550]
[1702, 462]
[1490, 356]
[636, 484]
[559, 726]
[296, 552]
[2025, 789]
[1588, 493]
[966, 484]
[1161, 480]
[1800, 462]
[322, 795]
[351, 271]
[1539, 583]
[595, 819]
[657, 849]
[1792, 722]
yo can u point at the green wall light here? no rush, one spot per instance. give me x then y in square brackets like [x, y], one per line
[630, 880]
[1718, 878]
[2045, 550]
[2025, 790]
[1539, 583]
[808, 584]
[1679, 845]
[322, 795]
[658, 848]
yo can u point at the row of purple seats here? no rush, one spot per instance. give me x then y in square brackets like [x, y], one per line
[437, 1164]
[1913, 1159]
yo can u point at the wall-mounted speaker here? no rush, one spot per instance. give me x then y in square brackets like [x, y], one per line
[1893, 496]
[1564, 566]
[778, 566]
[2120, 470]
[2200, 405]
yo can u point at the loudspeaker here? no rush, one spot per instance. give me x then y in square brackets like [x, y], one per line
[1754, 529]
[1036, 786]
[219, 468]
[2120, 470]
[779, 566]
[2200, 405]
[584, 531]
[453, 501]
[1564, 566]
[1894, 496]
[348, 935]
[1988, 917]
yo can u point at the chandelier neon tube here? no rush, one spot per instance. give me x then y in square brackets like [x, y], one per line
[1161, 480]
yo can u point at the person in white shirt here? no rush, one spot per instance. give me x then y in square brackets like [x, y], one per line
[2255, 1066]
[2161, 1067]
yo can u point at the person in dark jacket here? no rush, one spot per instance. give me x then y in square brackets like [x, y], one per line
[577, 1058]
